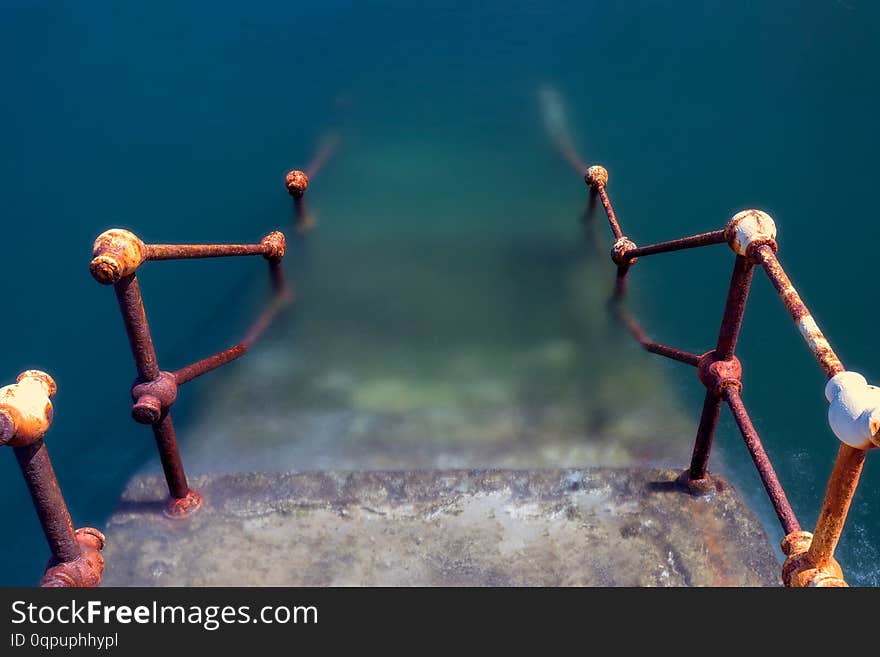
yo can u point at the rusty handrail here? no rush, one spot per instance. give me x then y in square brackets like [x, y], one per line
[25, 416]
[854, 406]
[117, 256]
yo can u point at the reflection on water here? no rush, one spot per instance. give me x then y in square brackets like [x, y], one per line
[450, 310]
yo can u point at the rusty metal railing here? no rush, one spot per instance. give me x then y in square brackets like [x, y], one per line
[25, 416]
[854, 406]
[26, 409]
[117, 256]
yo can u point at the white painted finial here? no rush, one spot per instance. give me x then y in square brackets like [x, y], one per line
[854, 411]
[749, 227]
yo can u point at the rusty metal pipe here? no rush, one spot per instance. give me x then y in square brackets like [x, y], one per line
[304, 220]
[705, 436]
[276, 276]
[259, 327]
[799, 312]
[197, 369]
[328, 147]
[620, 283]
[49, 503]
[609, 212]
[671, 352]
[694, 241]
[131, 305]
[635, 328]
[735, 307]
[188, 251]
[169, 455]
[838, 497]
[762, 462]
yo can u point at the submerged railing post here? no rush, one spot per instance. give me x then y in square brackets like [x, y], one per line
[297, 182]
[117, 256]
[854, 411]
[25, 416]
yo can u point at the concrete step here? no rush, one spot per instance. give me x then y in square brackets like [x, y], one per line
[571, 527]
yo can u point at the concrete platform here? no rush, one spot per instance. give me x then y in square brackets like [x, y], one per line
[588, 527]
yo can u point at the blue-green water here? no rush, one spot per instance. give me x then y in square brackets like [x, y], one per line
[178, 120]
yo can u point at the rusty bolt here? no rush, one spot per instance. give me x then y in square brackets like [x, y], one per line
[84, 571]
[717, 374]
[296, 182]
[696, 487]
[619, 250]
[748, 230]
[26, 409]
[596, 176]
[152, 398]
[799, 570]
[117, 253]
[276, 245]
[181, 507]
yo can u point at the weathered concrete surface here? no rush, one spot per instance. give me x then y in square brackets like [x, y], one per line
[586, 527]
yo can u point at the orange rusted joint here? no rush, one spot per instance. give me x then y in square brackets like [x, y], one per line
[705, 485]
[153, 398]
[800, 569]
[117, 253]
[296, 183]
[85, 571]
[26, 409]
[182, 507]
[275, 244]
[596, 176]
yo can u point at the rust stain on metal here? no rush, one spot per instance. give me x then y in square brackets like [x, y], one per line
[197, 369]
[703, 239]
[84, 571]
[705, 437]
[800, 570]
[117, 256]
[762, 462]
[621, 251]
[813, 336]
[26, 412]
[117, 253]
[838, 497]
[619, 310]
[735, 307]
[296, 182]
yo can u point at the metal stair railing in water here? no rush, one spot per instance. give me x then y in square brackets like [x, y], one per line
[854, 406]
[26, 409]
[117, 256]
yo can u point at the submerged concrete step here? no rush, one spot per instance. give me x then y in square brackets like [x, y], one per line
[575, 527]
